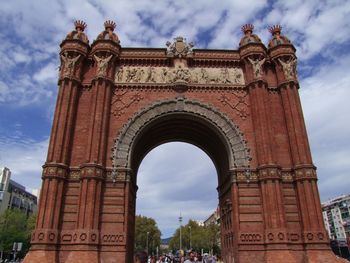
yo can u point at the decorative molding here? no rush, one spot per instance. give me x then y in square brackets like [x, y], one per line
[305, 174]
[251, 237]
[74, 175]
[240, 106]
[122, 101]
[113, 238]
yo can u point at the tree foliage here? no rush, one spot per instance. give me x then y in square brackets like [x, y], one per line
[200, 237]
[144, 225]
[15, 227]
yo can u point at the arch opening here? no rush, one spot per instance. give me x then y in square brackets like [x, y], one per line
[181, 127]
[176, 178]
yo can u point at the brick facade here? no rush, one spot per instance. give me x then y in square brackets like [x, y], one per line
[241, 106]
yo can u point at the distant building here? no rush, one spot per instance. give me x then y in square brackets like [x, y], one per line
[199, 222]
[336, 216]
[14, 195]
[214, 218]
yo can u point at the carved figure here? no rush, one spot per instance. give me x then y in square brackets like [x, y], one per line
[102, 64]
[139, 74]
[289, 68]
[151, 75]
[238, 76]
[194, 76]
[225, 76]
[204, 76]
[209, 77]
[130, 74]
[68, 64]
[182, 74]
[166, 76]
[120, 74]
[257, 67]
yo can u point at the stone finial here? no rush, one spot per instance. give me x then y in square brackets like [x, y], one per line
[109, 24]
[107, 33]
[248, 37]
[275, 29]
[80, 25]
[277, 39]
[247, 28]
[78, 33]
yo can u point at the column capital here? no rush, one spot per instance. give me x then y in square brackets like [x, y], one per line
[55, 170]
[92, 171]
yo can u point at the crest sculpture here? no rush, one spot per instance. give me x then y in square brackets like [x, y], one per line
[241, 107]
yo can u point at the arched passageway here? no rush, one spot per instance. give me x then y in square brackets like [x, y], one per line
[186, 121]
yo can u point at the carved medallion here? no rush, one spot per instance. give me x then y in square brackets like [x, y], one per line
[179, 48]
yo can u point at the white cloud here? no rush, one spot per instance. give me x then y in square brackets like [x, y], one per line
[24, 157]
[48, 73]
[325, 102]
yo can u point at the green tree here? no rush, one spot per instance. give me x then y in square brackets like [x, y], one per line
[144, 225]
[15, 227]
[197, 237]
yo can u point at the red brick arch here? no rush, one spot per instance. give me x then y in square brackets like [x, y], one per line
[242, 107]
[235, 146]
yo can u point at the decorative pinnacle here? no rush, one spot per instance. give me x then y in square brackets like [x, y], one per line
[110, 24]
[80, 24]
[247, 28]
[275, 29]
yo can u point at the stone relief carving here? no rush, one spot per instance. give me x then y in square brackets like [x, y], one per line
[289, 68]
[179, 48]
[257, 67]
[179, 73]
[68, 64]
[102, 64]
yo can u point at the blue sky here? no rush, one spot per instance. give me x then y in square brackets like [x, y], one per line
[30, 34]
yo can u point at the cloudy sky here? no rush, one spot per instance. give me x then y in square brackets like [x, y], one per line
[30, 34]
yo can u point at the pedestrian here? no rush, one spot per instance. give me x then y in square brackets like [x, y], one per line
[190, 258]
[140, 257]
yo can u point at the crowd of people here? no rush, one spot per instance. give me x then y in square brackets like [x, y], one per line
[191, 257]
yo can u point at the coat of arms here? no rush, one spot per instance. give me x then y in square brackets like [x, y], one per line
[179, 48]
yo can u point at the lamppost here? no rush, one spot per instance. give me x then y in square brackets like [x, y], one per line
[147, 242]
[190, 238]
[180, 220]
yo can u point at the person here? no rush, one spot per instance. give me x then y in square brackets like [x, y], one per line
[140, 257]
[190, 258]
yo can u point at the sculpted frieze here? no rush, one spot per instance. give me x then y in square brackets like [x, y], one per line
[179, 73]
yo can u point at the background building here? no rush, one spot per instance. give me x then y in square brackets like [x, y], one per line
[213, 218]
[336, 216]
[14, 195]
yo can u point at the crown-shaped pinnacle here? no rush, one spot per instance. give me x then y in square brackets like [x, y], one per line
[247, 28]
[275, 29]
[110, 24]
[80, 24]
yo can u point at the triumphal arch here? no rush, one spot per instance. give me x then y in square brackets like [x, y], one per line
[241, 107]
